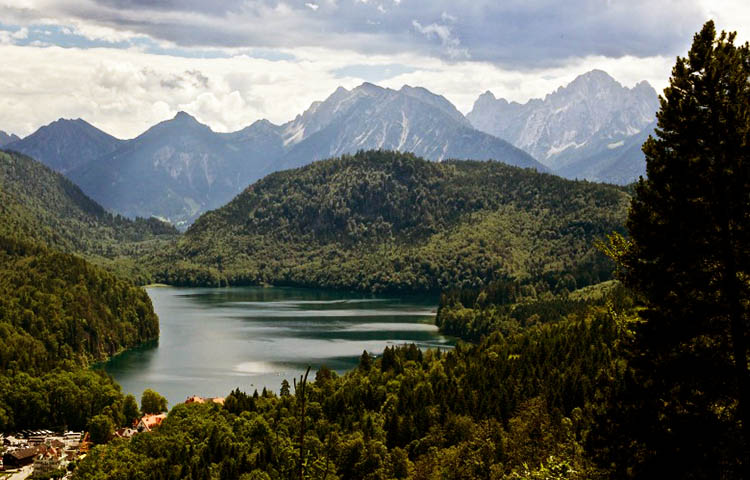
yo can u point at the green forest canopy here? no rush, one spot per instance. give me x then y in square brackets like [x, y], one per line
[382, 220]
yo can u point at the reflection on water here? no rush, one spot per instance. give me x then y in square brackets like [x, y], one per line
[214, 340]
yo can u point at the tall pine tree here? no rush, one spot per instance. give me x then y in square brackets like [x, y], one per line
[686, 413]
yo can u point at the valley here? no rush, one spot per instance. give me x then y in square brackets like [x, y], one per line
[381, 287]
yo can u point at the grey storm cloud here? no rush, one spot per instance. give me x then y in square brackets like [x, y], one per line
[510, 33]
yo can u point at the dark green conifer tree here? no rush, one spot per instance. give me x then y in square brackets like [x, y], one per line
[688, 405]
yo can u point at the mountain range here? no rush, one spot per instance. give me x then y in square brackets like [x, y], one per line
[180, 168]
[592, 128]
[64, 145]
[410, 119]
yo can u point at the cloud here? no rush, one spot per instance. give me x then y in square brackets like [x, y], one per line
[131, 63]
[446, 17]
[513, 33]
[125, 91]
[21, 34]
[450, 43]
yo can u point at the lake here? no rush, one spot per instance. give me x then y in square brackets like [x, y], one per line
[216, 339]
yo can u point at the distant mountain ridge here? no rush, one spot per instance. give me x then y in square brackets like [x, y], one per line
[177, 169]
[65, 145]
[409, 120]
[6, 138]
[180, 168]
[40, 205]
[578, 130]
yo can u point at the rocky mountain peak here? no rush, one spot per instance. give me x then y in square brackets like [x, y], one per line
[8, 138]
[185, 118]
[66, 144]
[592, 115]
[369, 89]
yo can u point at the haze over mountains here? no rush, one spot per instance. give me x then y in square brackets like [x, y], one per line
[180, 168]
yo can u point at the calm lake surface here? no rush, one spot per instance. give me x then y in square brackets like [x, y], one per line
[216, 339]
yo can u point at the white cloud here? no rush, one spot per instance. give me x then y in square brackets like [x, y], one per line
[21, 34]
[450, 42]
[446, 17]
[126, 91]
[729, 15]
[531, 33]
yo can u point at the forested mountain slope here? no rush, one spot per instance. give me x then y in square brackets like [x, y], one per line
[58, 314]
[381, 220]
[43, 206]
[58, 309]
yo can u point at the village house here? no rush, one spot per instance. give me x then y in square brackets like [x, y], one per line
[85, 444]
[13, 442]
[48, 460]
[73, 439]
[125, 432]
[149, 422]
[20, 457]
[197, 399]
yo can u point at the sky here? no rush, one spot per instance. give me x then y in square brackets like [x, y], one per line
[124, 65]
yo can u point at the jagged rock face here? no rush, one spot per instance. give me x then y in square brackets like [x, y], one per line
[593, 118]
[65, 145]
[409, 120]
[7, 138]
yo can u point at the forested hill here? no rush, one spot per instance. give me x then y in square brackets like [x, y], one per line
[41, 205]
[57, 308]
[58, 314]
[382, 220]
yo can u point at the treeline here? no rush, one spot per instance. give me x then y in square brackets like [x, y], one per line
[381, 220]
[508, 305]
[60, 399]
[510, 407]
